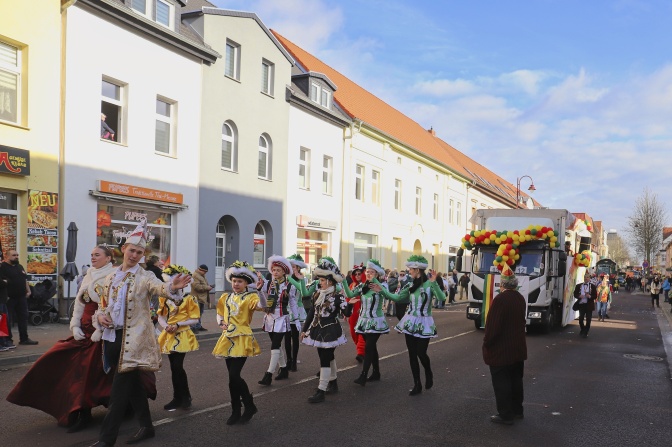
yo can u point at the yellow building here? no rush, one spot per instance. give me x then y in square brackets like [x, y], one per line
[30, 132]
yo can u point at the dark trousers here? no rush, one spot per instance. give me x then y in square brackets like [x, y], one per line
[237, 386]
[126, 388]
[655, 299]
[507, 381]
[400, 310]
[292, 344]
[326, 356]
[417, 350]
[451, 294]
[370, 352]
[17, 311]
[585, 312]
[179, 377]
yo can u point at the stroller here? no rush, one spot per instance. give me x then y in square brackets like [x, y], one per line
[40, 307]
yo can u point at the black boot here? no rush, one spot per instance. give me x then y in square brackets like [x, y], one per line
[83, 420]
[250, 408]
[283, 374]
[361, 380]
[185, 395]
[268, 378]
[374, 377]
[429, 379]
[332, 387]
[417, 388]
[317, 397]
[235, 405]
[293, 366]
[173, 404]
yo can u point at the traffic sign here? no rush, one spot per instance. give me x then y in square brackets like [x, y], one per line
[645, 264]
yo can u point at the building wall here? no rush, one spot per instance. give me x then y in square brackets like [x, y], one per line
[98, 46]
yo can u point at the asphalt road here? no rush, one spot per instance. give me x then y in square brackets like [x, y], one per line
[611, 389]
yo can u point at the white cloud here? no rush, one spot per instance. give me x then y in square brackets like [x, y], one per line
[446, 87]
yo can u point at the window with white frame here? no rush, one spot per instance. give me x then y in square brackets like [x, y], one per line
[314, 92]
[265, 152]
[112, 111]
[10, 83]
[418, 201]
[267, 77]
[259, 250]
[327, 174]
[458, 214]
[397, 194]
[375, 187]
[451, 210]
[320, 95]
[164, 13]
[229, 146]
[140, 6]
[365, 247]
[161, 11]
[436, 207]
[398, 160]
[164, 141]
[232, 60]
[325, 98]
[359, 183]
[304, 168]
[419, 169]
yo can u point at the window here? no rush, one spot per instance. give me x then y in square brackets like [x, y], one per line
[359, 182]
[324, 98]
[314, 92]
[9, 215]
[451, 204]
[264, 167]
[259, 251]
[267, 76]
[327, 169]
[164, 12]
[398, 160]
[458, 214]
[232, 61]
[436, 207]
[375, 187]
[313, 245]
[229, 146]
[418, 201]
[164, 141]
[397, 194]
[320, 95]
[112, 108]
[366, 247]
[419, 169]
[304, 168]
[10, 83]
[473, 225]
[140, 6]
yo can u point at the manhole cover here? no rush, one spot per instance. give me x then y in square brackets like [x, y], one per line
[643, 357]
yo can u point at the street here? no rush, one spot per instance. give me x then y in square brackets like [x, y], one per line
[612, 388]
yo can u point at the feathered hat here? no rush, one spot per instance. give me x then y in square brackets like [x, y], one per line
[375, 265]
[243, 270]
[139, 236]
[327, 268]
[174, 269]
[280, 261]
[358, 268]
[417, 262]
[297, 260]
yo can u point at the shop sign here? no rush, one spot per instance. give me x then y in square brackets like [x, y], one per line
[42, 261]
[140, 192]
[307, 221]
[14, 161]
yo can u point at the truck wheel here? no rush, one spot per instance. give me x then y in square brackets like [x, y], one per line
[549, 323]
[477, 324]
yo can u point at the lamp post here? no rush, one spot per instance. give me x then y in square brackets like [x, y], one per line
[531, 188]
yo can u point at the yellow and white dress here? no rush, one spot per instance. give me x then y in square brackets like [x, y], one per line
[183, 340]
[236, 310]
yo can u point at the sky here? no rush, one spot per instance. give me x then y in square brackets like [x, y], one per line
[576, 94]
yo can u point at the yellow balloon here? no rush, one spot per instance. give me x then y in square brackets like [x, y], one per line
[505, 258]
[517, 257]
[486, 241]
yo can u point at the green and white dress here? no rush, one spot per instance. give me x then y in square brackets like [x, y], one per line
[371, 316]
[298, 318]
[418, 320]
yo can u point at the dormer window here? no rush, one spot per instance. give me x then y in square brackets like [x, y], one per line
[161, 11]
[320, 95]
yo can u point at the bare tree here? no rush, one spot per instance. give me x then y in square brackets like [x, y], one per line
[645, 225]
[618, 251]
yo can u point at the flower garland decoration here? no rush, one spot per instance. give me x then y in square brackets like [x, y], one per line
[582, 259]
[174, 269]
[243, 264]
[508, 252]
[589, 227]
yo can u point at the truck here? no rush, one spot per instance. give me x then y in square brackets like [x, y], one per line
[545, 279]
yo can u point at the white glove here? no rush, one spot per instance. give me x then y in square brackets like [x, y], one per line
[78, 333]
[96, 336]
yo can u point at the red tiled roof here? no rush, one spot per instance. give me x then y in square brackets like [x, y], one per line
[361, 104]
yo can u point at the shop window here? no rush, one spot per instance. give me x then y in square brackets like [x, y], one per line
[259, 253]
[10, 83]
[164, 141]
[8, 221]
[116, 222]
[112, 107]
[312, 245]
[366, 247]
[265, 155]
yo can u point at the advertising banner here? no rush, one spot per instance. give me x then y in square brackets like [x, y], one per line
[42, 261]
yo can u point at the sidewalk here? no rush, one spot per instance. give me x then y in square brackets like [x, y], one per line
[47, 334]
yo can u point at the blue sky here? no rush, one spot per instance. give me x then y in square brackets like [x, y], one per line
[576, 94]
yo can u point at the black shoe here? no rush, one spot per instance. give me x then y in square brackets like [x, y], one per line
[186, 403]
[332, 387]
[202, 329]
[83, 421]
[172, 405]
[141, 435]
[283, 374]
[27, 341]
[497, 419]
[417, 389]
[519, 416]
[429, 379]
[361, 380]
[292, 368]
[317, 397]
[268, 378]
[318, 374]
[250, 409]
[374, 377]
[359, 358]
[235, 416]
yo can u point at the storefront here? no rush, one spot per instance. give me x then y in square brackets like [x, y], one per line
[14, 167]
[314, 238]
[8, 220]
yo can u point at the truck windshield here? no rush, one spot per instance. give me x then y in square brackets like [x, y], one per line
[531, 262]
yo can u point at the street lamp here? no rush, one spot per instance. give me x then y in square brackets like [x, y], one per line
[531, 188]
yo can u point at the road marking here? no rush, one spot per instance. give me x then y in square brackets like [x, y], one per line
[307, 379]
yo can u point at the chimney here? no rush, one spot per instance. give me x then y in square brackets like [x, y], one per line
[431, 130]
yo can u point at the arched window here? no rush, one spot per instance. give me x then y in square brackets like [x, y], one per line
[229, 146]
[259, 253]
[265, 152]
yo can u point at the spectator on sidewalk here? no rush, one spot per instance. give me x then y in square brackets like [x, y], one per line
[200, 289]
[666, 289]
[464, 283]
[452, 286]
[18, 292]
[655, 292]
[603, 298]
[4, 340]
[153, 266]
